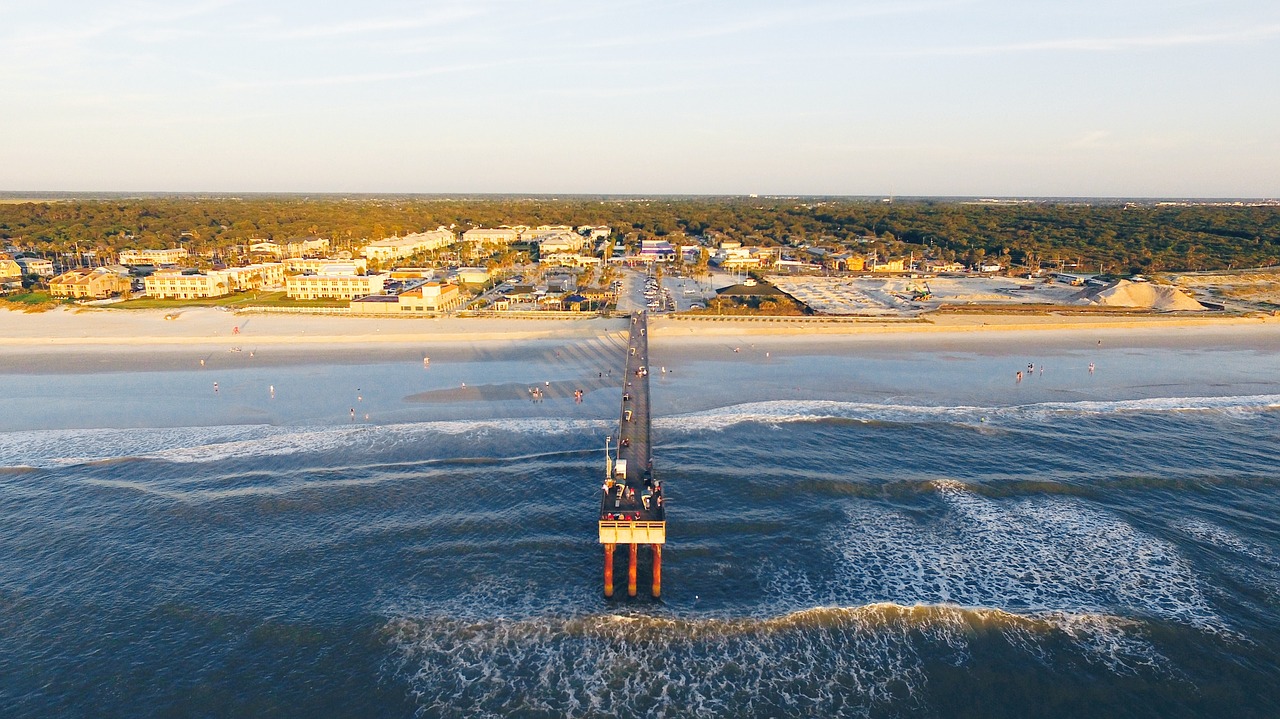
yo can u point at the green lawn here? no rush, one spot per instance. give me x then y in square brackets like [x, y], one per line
[33, 301]
[238, 299]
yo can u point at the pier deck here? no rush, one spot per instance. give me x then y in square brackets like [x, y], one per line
[632, 508]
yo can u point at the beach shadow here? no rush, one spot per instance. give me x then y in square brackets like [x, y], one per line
[508, 391]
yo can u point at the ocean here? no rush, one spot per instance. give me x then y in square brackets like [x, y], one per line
[894, 528]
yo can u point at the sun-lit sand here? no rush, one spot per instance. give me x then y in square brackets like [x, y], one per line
[105, 329]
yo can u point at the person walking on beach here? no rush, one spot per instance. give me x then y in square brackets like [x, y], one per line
[1019, 380]
[1090, 368]
[215, 387]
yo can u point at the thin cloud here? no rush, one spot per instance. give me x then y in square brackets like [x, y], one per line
[1103, 44]
[361, 78]
[379, 25]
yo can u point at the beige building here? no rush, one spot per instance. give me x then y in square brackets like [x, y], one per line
[9, 270]
[255, 277]
[898, 265]
[473, 275]
[309, 247]
[92, 284]
[560, 242]
[399, 247]
[357, 266]
[431, 297]
[565, 259]
[153, 257]
[496, 236]
[346, 287]
[173, 285]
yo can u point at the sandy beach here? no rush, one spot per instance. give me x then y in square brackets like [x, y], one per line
[206, 326]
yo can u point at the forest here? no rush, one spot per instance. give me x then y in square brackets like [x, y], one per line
[1114, 238]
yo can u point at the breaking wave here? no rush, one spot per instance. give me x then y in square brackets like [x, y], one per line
[819, 661]
[784, 411]
[1041, 554]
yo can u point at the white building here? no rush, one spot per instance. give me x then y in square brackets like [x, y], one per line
[346, 287]
[595, 232]
[35, 266]
[491, 236]
[560, 242]
[170, 256]
[176, 285]
[396, 248]
[357, 266]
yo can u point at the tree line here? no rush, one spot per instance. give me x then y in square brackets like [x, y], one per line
[1100, 237]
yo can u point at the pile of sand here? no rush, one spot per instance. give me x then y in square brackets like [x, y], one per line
[1141, 294]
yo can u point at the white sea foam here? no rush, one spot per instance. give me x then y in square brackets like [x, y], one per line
[55, 448]
[785, 411]
[1253, 563]
[1037, 556]
[818, 661]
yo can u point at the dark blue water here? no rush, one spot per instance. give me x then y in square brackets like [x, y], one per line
[1101, 549]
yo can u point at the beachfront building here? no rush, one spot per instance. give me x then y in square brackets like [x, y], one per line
[320, 266]
[180, 285]
[396, 248]
[170, 256]
[93, 284]
[9, 269]
[255, 277]
[35, 266]
[896, 265]
[335, 286]
[429, 297]
[176, 285]
[496, 236]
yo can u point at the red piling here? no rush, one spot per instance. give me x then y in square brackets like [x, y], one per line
[631, 573]
[657, 570]
[608, 570]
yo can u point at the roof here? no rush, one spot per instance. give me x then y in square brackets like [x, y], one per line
[377, 298]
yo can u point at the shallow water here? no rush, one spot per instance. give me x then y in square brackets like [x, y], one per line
[861, 532]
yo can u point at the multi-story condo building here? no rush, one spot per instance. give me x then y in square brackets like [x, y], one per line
[170, 256]
[495, 236]
[89, 284]
[346, 287]
[174, 285]
[357, 266]
[35, 266]
[399, 247]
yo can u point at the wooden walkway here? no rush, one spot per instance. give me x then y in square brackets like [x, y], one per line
[632, 509]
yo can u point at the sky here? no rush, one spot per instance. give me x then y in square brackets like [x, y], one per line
[1026, 98]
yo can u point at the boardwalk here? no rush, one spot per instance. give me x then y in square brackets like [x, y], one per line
[632, 510]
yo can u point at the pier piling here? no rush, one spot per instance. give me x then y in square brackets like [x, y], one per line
[631, 572]
[608, 571]
[657, 570]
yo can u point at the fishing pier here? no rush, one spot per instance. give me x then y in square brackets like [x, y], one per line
[632, 510]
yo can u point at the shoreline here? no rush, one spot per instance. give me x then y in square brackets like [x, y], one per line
[100, 335]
